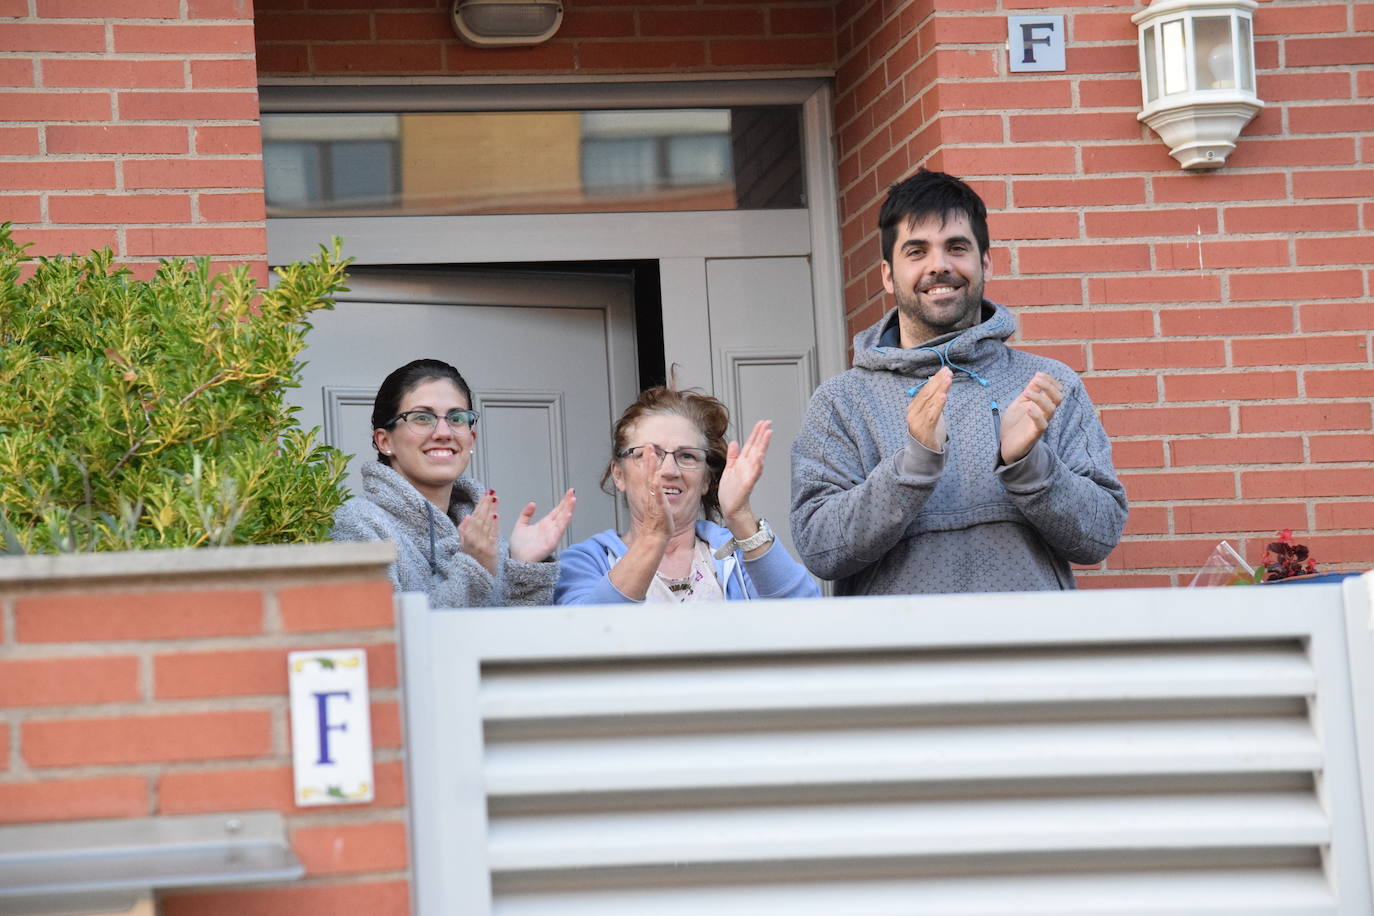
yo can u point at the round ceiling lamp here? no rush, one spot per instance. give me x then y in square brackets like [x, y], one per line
[485, 23]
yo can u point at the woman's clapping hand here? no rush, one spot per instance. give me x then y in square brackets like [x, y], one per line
[655, 516]
[478, 533]
[532, 542]
[743, 468]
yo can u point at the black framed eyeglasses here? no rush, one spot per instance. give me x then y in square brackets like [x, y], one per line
[426, 420]
[686, 459]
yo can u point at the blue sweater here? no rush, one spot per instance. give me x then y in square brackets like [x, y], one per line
[584, 569]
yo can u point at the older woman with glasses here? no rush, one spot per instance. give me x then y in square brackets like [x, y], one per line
[445, 525]
[670, 460]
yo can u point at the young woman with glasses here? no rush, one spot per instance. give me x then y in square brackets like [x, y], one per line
[445, 526]
[670, 460]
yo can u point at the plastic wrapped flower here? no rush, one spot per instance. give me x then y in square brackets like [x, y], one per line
[1284, 559]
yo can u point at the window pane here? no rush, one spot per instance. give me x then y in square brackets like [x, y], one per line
[610, 164]
[1216, 64]
[292, 174]
[1247, 66]
[533, 162]
[1175, 57]
[699, 160]
[362, 172]
[1151, 70]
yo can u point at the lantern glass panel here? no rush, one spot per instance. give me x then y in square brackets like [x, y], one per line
[1216, 62]
[1151, 66]
[1246, 63]
[523, 20]
[1174, 40]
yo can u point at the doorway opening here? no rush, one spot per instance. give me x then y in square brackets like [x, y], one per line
[643, 274]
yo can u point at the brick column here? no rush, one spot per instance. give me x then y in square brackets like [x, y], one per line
[154, 683]
[132, 125]
[1220, 320]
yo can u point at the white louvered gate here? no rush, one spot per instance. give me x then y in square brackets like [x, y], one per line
[1128, 752]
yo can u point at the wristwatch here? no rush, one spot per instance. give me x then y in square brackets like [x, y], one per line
[756, 540]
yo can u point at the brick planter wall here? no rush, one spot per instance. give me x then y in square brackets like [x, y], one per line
[134, 685]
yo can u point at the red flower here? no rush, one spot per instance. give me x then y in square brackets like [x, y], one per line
[1283, 558]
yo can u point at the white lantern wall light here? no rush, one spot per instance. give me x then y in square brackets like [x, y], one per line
[1197, 74]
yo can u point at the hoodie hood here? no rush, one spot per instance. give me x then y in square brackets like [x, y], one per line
[389, 489]
[981, 347]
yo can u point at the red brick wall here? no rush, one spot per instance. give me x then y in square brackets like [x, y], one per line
[142, 700]
[132, 125]
[1221, 320]
[367, 37]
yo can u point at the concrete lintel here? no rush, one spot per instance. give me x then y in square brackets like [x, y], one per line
[172, 566]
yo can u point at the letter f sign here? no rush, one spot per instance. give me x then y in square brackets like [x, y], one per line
[325, 727]
[1035, 43]
[1029, 39]
[331, 726]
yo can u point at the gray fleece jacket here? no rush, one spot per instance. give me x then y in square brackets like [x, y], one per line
[879, 513]
[428, 557]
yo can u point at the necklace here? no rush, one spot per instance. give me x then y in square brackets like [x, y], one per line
[697, 584]
[677, 585]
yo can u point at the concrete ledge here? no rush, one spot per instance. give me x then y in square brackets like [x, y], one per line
[132, 856]
[208, 562]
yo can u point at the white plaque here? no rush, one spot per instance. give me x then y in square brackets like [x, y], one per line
[1035, 44]
[331, 727]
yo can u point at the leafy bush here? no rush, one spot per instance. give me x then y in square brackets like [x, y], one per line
[145, 414]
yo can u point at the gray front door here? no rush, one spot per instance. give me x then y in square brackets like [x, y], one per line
[550, 358]
[742, 328]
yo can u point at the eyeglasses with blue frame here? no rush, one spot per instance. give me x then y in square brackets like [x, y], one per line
[423, 421]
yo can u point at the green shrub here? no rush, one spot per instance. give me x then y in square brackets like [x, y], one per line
[145, 414]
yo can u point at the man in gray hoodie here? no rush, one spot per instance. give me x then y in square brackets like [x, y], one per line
[944, 460]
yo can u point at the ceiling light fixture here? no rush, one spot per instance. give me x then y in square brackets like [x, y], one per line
[486, 23]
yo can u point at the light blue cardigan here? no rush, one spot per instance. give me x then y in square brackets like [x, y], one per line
[583, 571]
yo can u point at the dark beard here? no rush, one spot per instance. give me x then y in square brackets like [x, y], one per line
[909, 306]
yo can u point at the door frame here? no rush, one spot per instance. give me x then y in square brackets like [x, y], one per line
[591, 236]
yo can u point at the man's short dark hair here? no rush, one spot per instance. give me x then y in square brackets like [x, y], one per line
[926, 195]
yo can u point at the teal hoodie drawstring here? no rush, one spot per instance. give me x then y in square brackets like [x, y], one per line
[945, 361]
